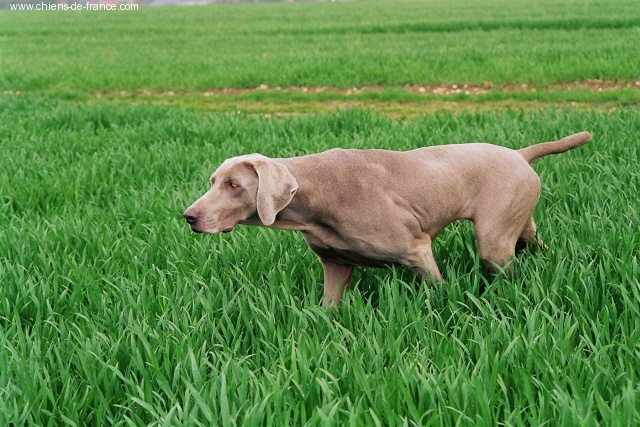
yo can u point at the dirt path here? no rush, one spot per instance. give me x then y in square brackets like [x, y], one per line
[401, 101]
[440, 89]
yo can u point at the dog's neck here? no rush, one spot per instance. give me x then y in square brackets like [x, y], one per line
[298, 215]
[287, 219]
[305, 211]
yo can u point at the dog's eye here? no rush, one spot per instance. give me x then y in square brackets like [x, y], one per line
[232, 184]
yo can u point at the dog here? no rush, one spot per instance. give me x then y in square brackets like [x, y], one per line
[376, 208]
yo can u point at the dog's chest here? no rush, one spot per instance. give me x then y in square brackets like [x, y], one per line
[344, 256]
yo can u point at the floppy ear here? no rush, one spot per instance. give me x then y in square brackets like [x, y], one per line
[276, 187]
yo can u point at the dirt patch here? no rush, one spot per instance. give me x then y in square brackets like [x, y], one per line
[467, 89]
[400, 101]
[598, 85]
[439, 89]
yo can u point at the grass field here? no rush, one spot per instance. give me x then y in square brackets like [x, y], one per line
[113, 313]
[342, 44]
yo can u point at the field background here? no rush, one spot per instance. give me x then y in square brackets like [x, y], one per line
[113, 313]
[386, 51]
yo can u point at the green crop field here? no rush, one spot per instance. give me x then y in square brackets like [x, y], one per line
[112, 312]
[343, 45]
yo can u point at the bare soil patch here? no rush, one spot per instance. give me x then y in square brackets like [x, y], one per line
[439, 89]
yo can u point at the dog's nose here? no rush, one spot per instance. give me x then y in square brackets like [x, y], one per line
[190, 216]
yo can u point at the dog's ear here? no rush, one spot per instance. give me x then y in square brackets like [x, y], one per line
[276, 187]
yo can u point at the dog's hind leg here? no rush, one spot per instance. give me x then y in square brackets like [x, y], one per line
[497, 243]
[423, 263]
[529, 238]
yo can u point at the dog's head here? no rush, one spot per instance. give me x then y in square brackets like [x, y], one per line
[241, 188]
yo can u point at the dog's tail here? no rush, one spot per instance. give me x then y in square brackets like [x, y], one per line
[534, 152]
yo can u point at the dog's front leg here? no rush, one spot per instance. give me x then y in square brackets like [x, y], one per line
[336, 279]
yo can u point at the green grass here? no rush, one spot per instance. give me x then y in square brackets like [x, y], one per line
[113, 313]
[342, 44]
